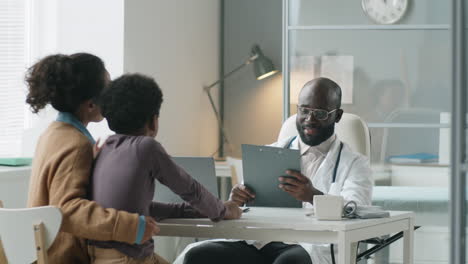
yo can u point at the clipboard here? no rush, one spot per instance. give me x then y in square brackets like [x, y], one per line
[262, 165]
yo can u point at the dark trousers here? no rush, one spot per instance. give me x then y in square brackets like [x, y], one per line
[243, 253]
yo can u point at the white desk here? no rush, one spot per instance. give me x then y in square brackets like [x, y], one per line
[14, 184]
[287, 224]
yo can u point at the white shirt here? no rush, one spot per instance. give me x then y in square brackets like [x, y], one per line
[313, 156]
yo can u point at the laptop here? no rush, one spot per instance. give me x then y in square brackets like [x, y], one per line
[201, 169]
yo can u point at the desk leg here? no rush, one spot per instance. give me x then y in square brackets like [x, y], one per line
[408, 243]
[383, 256]
[346, 251]
[354, 248]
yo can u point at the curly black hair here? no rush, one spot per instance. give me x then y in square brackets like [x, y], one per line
[65, 81]
[130, 102]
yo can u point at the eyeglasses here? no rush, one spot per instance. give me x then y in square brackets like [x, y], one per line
[319, 114]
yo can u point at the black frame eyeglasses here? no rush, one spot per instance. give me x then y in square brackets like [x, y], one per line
[319, 114]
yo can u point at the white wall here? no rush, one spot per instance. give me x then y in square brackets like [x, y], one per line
[69, 26]
[177, 43]
[95, 27]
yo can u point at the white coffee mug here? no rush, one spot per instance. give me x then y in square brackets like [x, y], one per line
[328, 207]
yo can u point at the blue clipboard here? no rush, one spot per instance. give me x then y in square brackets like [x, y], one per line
[262, 166]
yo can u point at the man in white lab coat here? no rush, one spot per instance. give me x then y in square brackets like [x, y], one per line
[328, 166]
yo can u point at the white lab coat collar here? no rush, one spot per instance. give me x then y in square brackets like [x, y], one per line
[321, 148]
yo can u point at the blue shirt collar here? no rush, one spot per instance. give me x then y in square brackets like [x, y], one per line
[72, 120]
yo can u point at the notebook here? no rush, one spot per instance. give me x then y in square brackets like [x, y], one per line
[262, 166]
[201, 169]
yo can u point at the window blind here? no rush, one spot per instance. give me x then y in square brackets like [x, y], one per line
[13, 61]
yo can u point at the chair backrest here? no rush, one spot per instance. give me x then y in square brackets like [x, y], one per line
[19, 231]
[351, 129]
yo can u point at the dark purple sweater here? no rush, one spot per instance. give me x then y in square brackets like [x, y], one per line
[124, 178]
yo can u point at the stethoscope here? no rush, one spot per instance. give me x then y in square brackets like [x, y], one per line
[337, 162]
[350, 207]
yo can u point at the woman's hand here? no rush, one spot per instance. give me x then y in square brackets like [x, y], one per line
[96, 148]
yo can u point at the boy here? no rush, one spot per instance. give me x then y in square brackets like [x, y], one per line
[129, 162]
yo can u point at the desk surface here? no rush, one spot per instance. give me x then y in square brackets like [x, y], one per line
[292, 225]
[288, 218]
[14, 168]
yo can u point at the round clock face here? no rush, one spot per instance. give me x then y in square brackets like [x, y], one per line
[385, 11]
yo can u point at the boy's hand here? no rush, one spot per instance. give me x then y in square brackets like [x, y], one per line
[241, 194]
[151, 229]
[232, 210]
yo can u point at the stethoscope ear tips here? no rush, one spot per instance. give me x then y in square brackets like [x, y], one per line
[349, 209]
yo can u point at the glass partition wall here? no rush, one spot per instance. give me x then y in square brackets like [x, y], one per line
[398, 77]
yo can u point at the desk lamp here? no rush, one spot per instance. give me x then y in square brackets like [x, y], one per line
[263, 68]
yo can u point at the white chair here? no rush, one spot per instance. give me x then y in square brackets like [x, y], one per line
[351, 129]
[27, 233]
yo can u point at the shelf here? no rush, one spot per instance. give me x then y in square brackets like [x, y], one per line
[372, 27]
[418, 165]
[407, 125]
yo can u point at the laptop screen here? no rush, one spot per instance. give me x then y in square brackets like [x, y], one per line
[201, 169]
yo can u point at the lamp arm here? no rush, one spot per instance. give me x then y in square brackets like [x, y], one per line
[247, 62]
[214, 107]
[218, 118]
[208, 92]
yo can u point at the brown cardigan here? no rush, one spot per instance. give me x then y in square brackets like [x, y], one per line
[60, 176]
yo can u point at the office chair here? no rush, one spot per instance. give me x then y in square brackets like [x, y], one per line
[27, 233]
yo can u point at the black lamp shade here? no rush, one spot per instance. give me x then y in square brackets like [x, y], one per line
[263, 67]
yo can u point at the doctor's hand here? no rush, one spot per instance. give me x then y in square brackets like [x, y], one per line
[241, 195]
[232, 210]
[298, 186]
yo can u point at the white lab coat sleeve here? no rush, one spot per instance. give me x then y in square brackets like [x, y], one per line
[358, 183]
